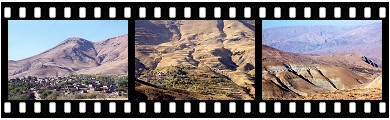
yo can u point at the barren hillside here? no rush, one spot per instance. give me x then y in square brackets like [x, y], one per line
[293, 76]
[76, 56]
[226, 48]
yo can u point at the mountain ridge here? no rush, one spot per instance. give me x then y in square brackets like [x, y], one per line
[71, 56]
[363, 39]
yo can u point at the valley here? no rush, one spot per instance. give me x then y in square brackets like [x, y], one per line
[209, 58]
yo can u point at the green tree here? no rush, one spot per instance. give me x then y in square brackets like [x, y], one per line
[52, 97]
[91, 96]
[78, 96]
[45, 94]
[86, 82]
[120, 88]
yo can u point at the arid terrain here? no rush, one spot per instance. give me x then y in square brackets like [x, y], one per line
[195, 59]
[74, 69]
[289, 76]
[365, 39]
[322, 61]
[76, 56]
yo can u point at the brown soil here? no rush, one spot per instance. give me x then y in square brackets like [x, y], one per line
[352, 94]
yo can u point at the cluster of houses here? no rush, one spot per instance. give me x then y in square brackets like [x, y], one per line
[70, 85]
[200, 74]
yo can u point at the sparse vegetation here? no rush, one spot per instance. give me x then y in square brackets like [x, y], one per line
[65, 88]
[204, 82]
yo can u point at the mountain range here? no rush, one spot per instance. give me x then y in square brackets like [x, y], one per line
[75, 56]
[322, 39]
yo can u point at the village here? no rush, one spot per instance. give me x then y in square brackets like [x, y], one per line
[71, 87]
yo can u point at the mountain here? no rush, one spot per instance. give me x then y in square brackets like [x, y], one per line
[377, 83]
[224, 48]
[112, 55]
[362, 39]
[288, 75]
[75, 56]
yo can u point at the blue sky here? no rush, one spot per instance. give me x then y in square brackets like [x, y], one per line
[27, 38]
[278, 23]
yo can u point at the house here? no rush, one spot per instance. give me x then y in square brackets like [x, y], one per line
[204, 75]
[51, 88]
[58, 88]
[98, 89]
[159, 74]
[40, 91]
[67, 92]
[117, 93]
[83, 91]
[69, 87]
[97, 82]
[81, 87]
[112, 88]
[214, 76]
[13, 81]
[58, 81]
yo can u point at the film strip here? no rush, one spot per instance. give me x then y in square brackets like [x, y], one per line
[257, 107]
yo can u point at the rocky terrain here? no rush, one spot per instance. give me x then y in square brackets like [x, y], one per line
[288, 75]
[76, 56]
[321, 40]
[225, 49]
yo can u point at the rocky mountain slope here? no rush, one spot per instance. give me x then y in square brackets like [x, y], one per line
[76, 56]
[225, 47]
[363, 39]
[288, 75]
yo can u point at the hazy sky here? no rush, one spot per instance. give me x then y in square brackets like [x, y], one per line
[31, 37]
[277, 23]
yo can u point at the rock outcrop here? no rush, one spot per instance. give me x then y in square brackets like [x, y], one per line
[368, 61]
[288, 75]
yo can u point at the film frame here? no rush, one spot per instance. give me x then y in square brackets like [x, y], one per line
[187, 108]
